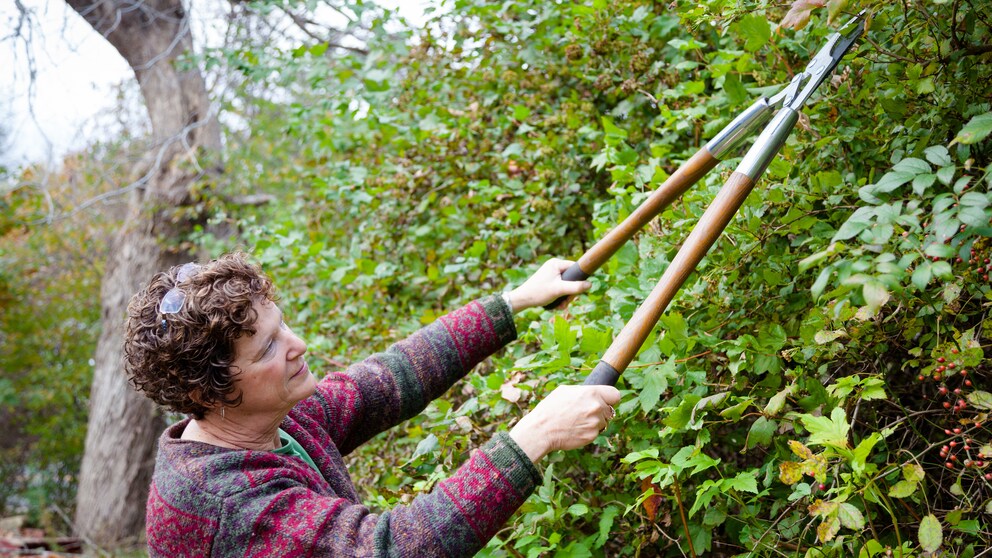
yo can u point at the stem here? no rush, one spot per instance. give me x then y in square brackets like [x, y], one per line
[685, 522]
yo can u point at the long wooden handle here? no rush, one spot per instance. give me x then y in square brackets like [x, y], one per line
[710, 226]
[688, 174]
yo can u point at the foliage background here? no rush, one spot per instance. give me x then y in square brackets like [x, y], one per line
[798, 398]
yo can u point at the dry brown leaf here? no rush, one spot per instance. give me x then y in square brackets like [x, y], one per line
[652, 502]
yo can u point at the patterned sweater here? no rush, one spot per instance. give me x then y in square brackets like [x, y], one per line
[211, 501]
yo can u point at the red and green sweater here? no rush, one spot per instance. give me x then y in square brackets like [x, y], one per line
[211, 501]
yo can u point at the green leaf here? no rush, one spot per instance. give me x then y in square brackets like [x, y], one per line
[875, 294]
[655, 384]
[912, 165]
[755, 30]
[980, 399]
[931, 534]
[578, 510]
[977, 129]
[938, 155]
[923, 182]
[612, 130]
[903, 489]
[850, 516]
[835, 8]
[777, 401]
[946, 175]
[606, 524]
[761, 432]
[828, 431]
[922, 275]
[744, 482]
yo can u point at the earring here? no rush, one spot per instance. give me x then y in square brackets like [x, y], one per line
[222, 412]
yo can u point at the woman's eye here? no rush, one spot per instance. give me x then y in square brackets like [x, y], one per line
[269, 348]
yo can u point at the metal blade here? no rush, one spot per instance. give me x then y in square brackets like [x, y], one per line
[823, 64]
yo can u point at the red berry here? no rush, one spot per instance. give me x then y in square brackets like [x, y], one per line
[942, 390]
[967, 383]
[962, 404]
[951, 365]
[964, 372]
[949, 465]
[947, 404]
[920, 377]
[957, 391]
[936, 377]
[940, 359]
[988, 476]
[954, 351]
[957, 430]
[823, 486]
[953, 443]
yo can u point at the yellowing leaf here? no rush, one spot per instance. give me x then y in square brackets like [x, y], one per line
[931, 534]
[816, 467]
[828, 529]
[800, 450]
[913, 472]
[790, 472]
[822, 508]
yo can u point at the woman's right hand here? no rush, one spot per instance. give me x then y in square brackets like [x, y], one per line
[568, 418]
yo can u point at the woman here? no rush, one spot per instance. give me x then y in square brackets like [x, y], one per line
[257, 469]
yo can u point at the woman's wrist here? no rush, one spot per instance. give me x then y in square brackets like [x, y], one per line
[530, 441]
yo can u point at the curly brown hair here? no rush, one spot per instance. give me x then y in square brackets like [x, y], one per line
[182, 361]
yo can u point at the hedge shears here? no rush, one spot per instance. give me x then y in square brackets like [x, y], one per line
[788, 103]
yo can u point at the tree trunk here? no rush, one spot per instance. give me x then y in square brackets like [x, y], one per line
[124, 426]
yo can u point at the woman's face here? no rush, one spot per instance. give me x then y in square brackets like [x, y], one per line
[269, 368]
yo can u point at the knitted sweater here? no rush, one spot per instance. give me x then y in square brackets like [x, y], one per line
[211, 501]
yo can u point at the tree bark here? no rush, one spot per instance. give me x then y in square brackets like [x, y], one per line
[123, 426]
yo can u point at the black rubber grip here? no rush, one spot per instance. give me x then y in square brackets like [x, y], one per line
[573, 273]
[603, 375]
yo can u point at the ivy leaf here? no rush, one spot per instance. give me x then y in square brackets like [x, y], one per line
[931, 534]
[977, 129]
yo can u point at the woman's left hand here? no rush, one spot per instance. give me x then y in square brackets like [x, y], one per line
[545, 286]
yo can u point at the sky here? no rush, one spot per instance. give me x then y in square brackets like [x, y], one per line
[77, 77]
